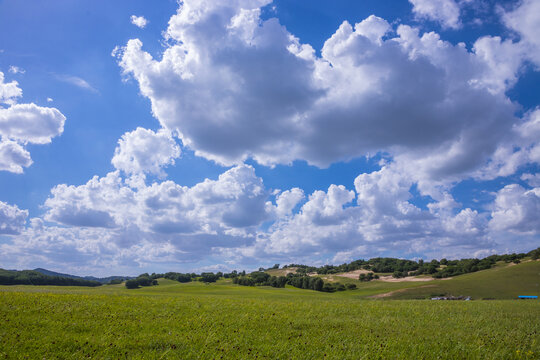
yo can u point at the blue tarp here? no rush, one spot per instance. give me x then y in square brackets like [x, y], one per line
[527, 297]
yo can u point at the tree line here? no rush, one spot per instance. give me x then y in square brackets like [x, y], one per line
[401, 268]
[30, 277]
[141, 280]
[301, 281]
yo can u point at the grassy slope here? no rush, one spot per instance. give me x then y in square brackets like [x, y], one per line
[191, 321]
[501, 282]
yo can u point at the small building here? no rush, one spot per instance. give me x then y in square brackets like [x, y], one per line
[525, 297]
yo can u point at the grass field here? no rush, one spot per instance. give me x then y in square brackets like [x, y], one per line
[197, 321]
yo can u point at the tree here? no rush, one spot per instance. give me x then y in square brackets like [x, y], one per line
[132, 284]
[318, 284]
[183, 278]
[208, 277]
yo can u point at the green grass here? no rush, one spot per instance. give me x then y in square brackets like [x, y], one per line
[504, 281]
[197, 321]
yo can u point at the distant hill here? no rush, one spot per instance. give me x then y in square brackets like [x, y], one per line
[31, 277]
[104, 280]
[504, 281]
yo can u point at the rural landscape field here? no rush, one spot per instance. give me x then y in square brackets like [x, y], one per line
[199, 320]
[270, 179]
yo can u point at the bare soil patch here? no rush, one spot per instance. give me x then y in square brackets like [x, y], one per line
[354, 274]
[388, 294]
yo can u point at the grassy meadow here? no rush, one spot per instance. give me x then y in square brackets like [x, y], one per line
[222, 320]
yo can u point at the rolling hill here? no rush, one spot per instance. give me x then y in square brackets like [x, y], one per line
[505, 281]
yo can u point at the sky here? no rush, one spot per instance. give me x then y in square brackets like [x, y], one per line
[212, 135]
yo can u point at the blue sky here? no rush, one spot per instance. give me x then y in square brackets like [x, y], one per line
[203, 135]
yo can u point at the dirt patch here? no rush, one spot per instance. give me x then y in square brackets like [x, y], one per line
[386, 278]
[388, 294]
[291, 270]
[354, 274]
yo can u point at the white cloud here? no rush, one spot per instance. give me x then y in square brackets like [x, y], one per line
[9, 92]
[287, 201]
[382, 221]
[12, 219]
[516, 209]
[413, 95]
[77, 81]
[532, 179]
[145, 151]
[13, 157]
[21, 124]
[139, 21]
[16, 70]
[525, 20]
[233, 205]
[446, 12]
[503, 58]
[31, 123]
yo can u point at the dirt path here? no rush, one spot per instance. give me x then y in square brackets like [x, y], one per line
[388, 294]
[387, 278]
[353, 274]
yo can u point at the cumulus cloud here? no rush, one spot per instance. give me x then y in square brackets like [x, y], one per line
[31, 123]
[235, 86]
[12, 219]
[10, 91]
[446, 12]
[13, 157]
[139, 21]
[287, 201]
[21, 124]
[532, 180]
[145, 151]
[516, 209]
[376, 217]
[232, 205]
[525, 19]
[108, 221]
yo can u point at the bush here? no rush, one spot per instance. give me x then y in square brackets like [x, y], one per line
[132, 284]
[183, 278]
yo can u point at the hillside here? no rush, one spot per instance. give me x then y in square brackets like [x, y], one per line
[505, 281]
[103, 280]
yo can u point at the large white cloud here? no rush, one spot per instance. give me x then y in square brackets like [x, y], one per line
[235, 86]
[106, 222]
[234, 204]
[446, 12]
[21, 124]
[145, 151]
[381, 220]
[12, 219]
